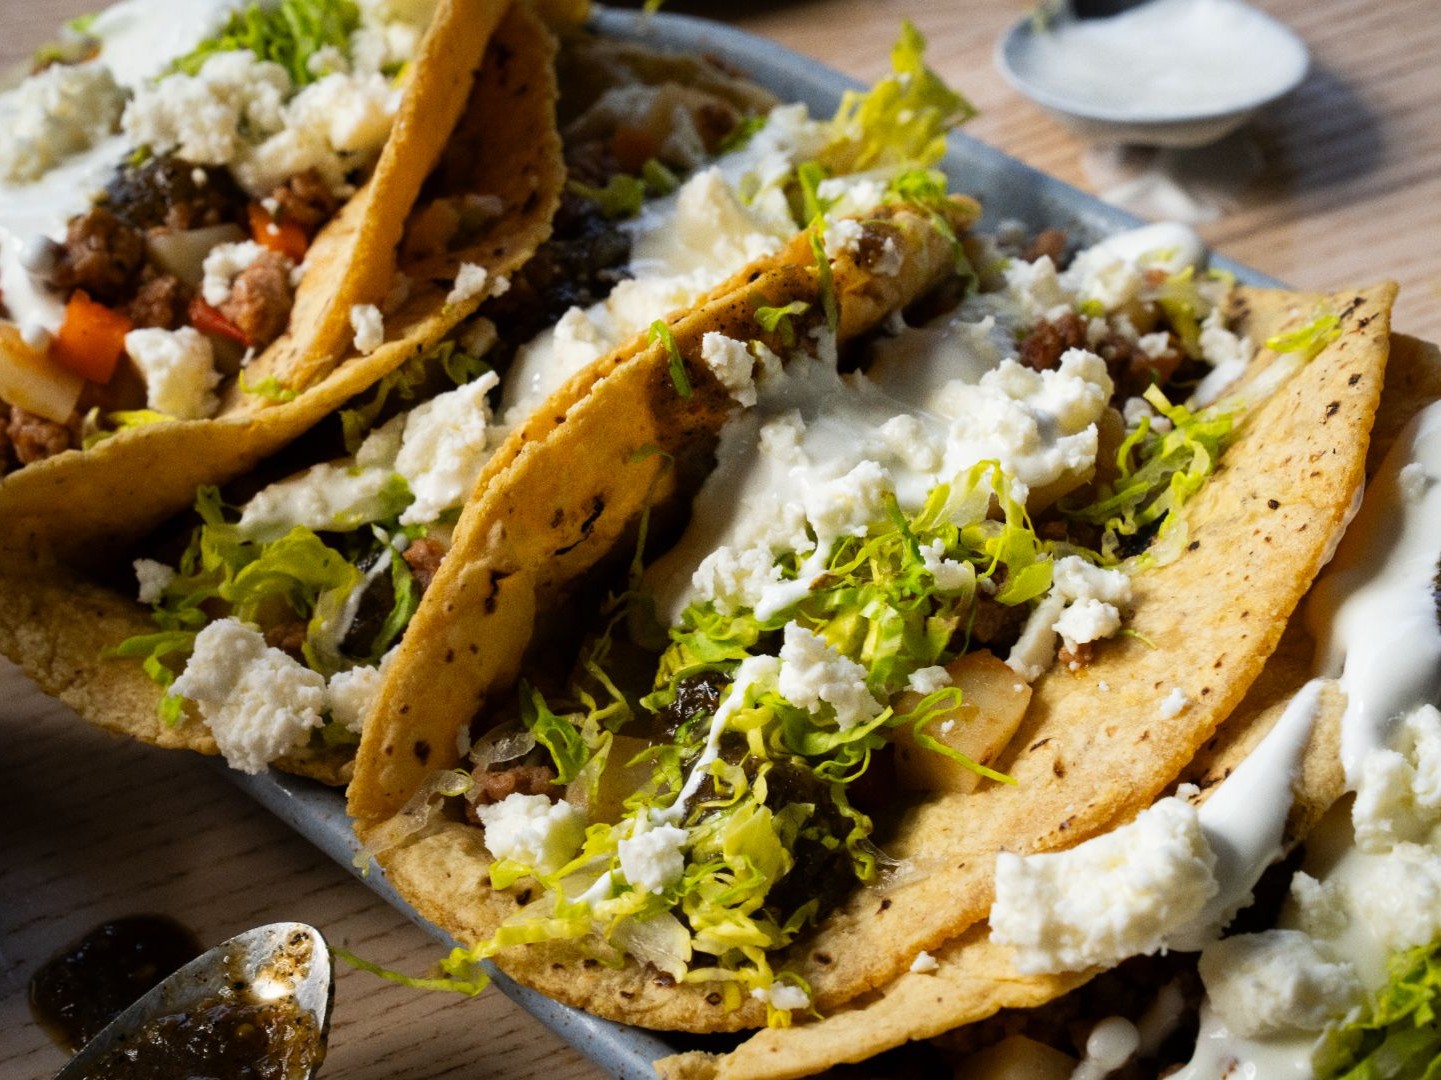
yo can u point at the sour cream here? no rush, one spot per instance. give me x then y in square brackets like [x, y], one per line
[1373, 612]
[1161, 60]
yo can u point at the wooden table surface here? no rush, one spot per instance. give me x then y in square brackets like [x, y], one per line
[1339, 184]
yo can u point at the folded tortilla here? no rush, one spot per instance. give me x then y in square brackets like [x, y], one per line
[477, 59]
[976, 977]
[1085, 759]
[64, 518]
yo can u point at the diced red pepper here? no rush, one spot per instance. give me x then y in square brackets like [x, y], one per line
[632, 148]
[209, 320]
[285, 237]
[91, 338]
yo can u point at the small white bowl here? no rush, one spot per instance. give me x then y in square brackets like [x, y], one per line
[1137, 122]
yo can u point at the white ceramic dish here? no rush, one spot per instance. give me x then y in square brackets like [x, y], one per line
[1023, 61]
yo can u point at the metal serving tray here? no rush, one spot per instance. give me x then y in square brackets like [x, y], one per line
[1007, 189]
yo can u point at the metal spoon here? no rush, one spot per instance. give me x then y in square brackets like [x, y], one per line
[286, 959]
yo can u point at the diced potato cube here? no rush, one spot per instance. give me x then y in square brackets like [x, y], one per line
[618, 782]
[993, 703]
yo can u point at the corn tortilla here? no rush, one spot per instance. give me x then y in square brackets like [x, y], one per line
[65, 517]
[612, 441]
[567, 484]
[78, 506]
[1086, 759]
[975, 979]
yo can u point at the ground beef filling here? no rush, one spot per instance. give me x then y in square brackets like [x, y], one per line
[102, 254]
[497, 784]
[260, 299]
[306, 200]
[161, 301]
[1132, 369]
[32, 438]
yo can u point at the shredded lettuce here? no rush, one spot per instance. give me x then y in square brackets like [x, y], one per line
[825, 279]
[902, 120]
[778, 320]
[296, 578]
[1310, 339]
[783, 782]
[288, 33]
[270, 388]
[117, 422]
[1398, 1033]
[659, 331]
[1158, 473]
[417, 377]
[741, 135]
[621, 197]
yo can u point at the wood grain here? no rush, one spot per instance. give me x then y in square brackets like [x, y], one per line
[1346, 187]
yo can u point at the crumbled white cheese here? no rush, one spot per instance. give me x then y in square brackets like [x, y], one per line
[1399, 899]
[353, 692]
[1040, 425]
[653, 860]
[1399, 794]
[1174, 703]
[444, 449]
[1154, 345]
[1112, 273]
[500, 285]
[533, 831]
[734, 579]
[469, 283]
[928, 680]
[950, 575]
[731, 363]
[211, 117]
[54, 114]
[153, 578]
[783, 996]
[814, 674]
[1109, 898]
[847, 505]
[843, 236]
[1085, 621]
[1228, 355]
[924, 963]
[1413, 480]
[325, 60]
[179, 371]
[329, 496]
[1035, 649]
[369, 327]
[1275, 981]
[1320, 906]
[1083, 605]
[223, 265]
[257, 701]
[243, 112]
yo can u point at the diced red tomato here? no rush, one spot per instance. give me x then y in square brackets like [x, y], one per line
[91, 338]
[209, 320]
[285, 237]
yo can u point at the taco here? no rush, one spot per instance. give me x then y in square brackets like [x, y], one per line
[188, 258]
[277, 614]
[1334, 981]
[689, 819]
